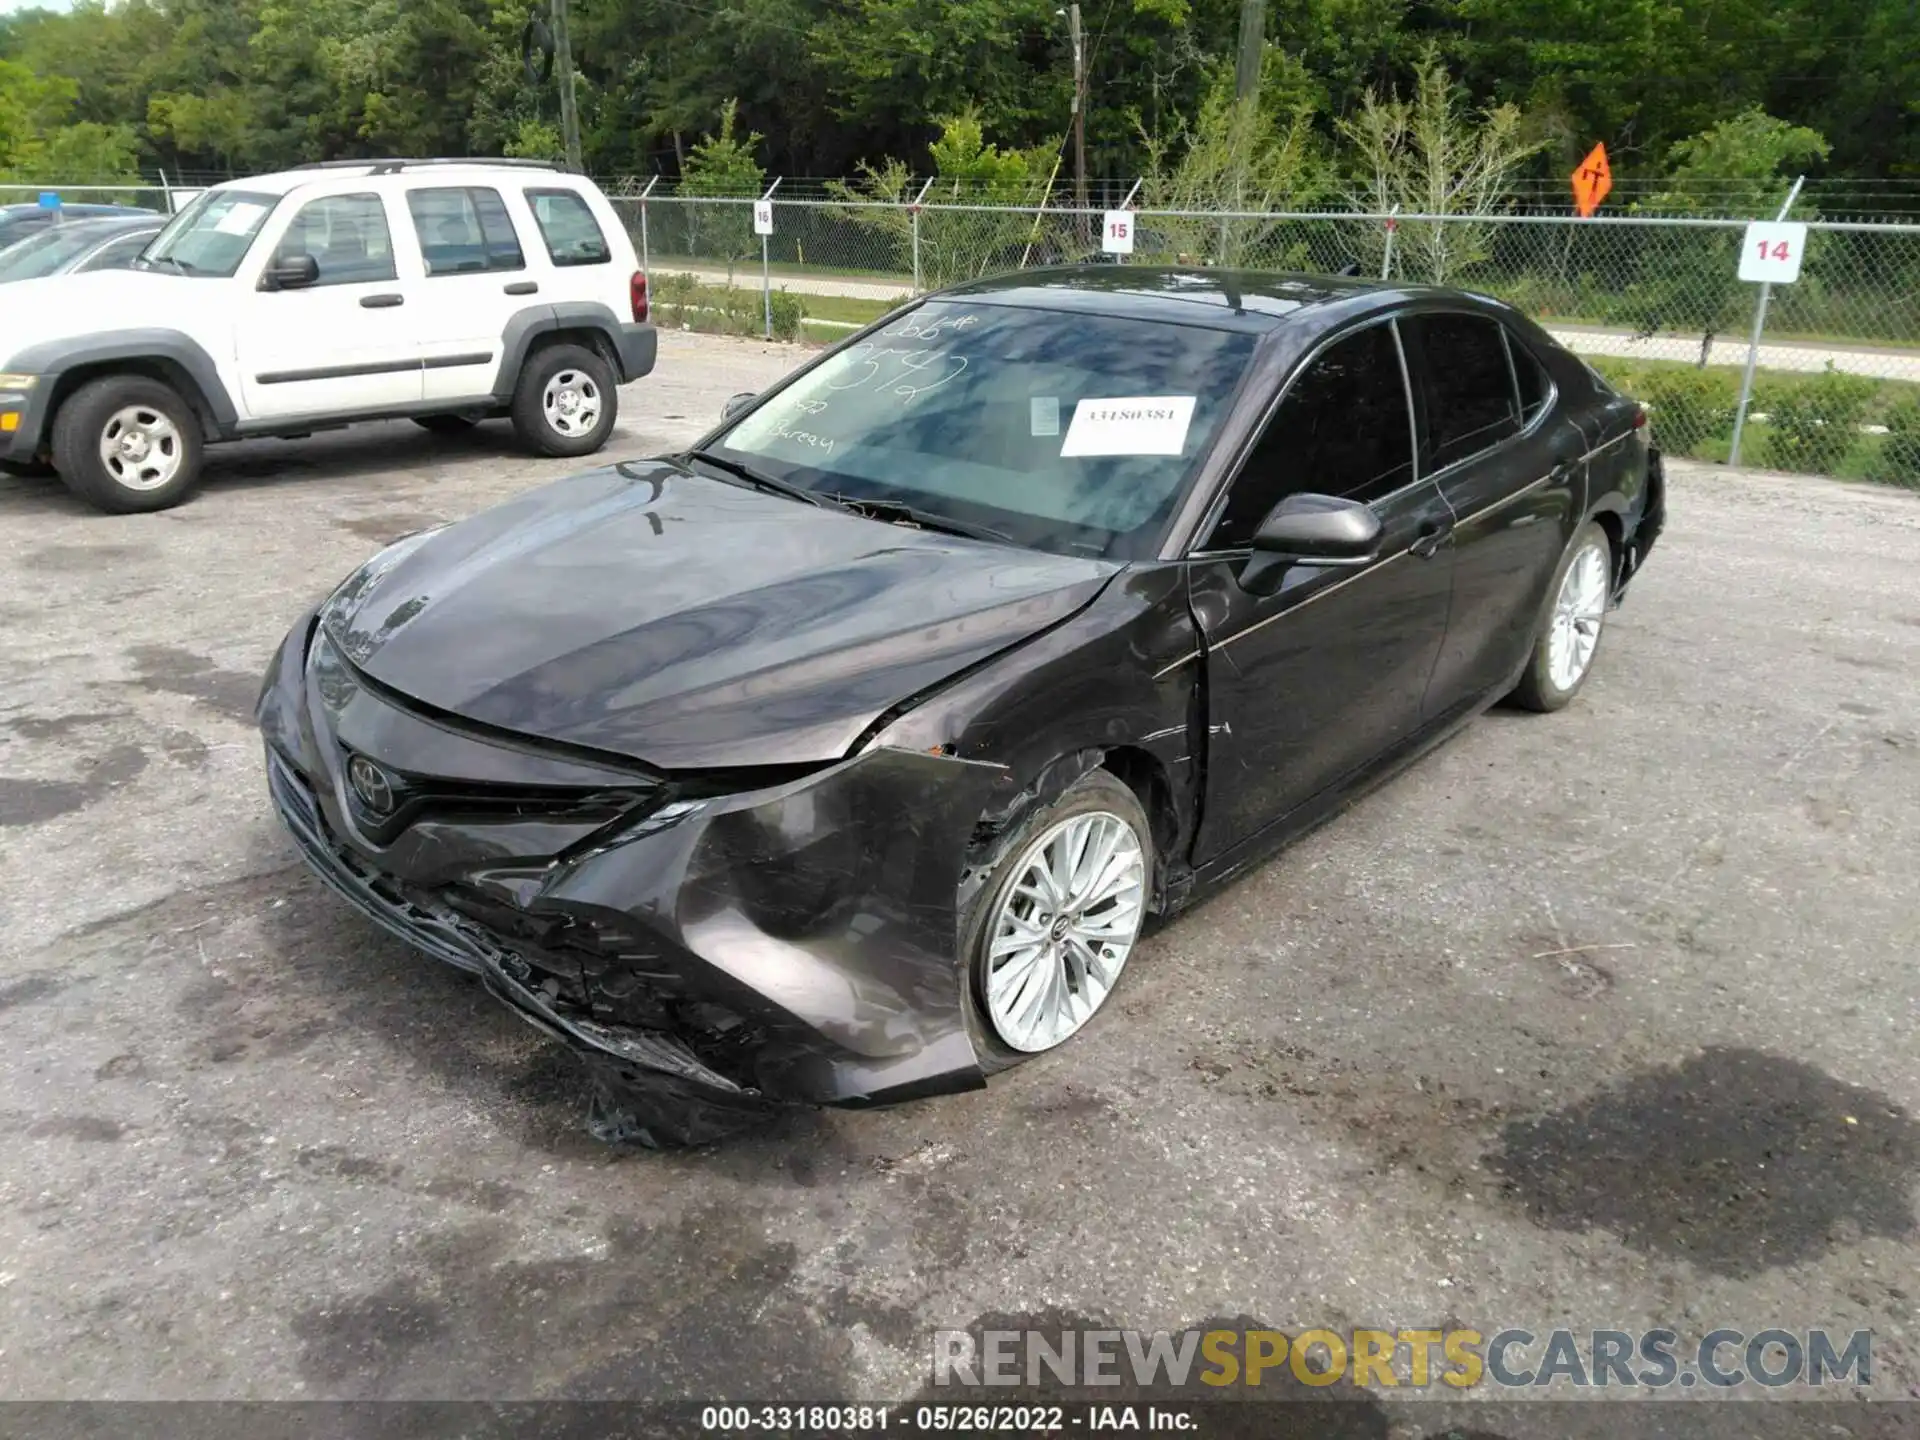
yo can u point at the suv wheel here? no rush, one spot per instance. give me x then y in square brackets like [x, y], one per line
[566, 401]
[127, 444]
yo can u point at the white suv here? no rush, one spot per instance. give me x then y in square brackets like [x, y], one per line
[445, 291]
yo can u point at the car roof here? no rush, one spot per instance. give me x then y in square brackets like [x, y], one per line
[281, 182]
[86, 209]
[110, 224]
[1251, 300]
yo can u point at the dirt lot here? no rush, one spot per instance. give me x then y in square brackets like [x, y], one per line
[1604, 1019]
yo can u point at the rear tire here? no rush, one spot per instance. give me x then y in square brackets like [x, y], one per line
[445, 424]
[128, 444]
[1000, 908]
[1571, 624]
[566, 401]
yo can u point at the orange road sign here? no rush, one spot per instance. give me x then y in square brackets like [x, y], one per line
[1591, 181]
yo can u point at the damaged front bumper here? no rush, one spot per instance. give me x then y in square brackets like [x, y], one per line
[711, 954]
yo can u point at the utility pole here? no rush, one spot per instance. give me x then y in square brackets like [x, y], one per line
[563, 64]
[1253, 22]
[1079, 109]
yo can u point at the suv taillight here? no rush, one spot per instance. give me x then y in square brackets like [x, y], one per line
[637, 292]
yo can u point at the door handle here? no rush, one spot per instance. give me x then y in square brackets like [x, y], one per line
[523, 287]
[381, 302]
[1432, 535]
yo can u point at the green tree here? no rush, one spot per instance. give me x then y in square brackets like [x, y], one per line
[1429, 154]
[1692, 285]
[721, 166]
[968, 170]
[1238, 155]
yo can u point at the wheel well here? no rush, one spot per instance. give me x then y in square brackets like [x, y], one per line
[154, 367]
[1147, 778]
[1609, 522]
[593, 339]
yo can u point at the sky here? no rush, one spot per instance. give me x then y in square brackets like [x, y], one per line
[7, 7]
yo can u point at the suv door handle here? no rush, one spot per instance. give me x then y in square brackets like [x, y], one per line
[381, 302]
[1432, 535]
[523, 287]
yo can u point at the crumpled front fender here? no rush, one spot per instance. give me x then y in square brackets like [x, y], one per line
[829, 903]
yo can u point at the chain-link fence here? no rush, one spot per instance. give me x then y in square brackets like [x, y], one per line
[1653, 303]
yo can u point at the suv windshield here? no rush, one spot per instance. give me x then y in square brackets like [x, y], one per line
[210, 236]
[1065, 432]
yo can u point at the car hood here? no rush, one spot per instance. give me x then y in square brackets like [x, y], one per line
[690, 623]
[69, 307]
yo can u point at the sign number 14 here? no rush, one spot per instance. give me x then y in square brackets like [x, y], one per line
[1772, 251]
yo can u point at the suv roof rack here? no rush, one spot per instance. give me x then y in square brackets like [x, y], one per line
[394, 167]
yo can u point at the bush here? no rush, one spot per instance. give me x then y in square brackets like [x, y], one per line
[788, 312]
[1691, 408]
[1812, 422]
[1898, 462]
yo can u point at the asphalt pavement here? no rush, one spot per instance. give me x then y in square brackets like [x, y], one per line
[1602, 1019]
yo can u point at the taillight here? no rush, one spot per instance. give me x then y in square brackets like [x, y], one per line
[637, 293]
[1639, 417]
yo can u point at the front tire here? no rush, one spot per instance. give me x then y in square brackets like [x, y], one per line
[566, 401]
[1569, 636]
[128, 444]
[1050, 932]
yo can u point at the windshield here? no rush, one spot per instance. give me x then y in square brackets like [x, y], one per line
[46, 252]
[210, 236]
[1069, 433]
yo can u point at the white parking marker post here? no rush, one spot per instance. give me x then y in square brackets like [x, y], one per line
[1767, 263]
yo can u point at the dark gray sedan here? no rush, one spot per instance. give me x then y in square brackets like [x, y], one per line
[78, 245]
[839, 758]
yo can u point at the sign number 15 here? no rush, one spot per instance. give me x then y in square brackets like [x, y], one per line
[1116, 235]
[1772, 251]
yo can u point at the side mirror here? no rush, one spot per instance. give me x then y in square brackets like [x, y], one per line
[1309, 530]
[736, 403]
[1319, 530]
[291, 272]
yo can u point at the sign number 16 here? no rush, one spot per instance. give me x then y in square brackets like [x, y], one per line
[1772, 251]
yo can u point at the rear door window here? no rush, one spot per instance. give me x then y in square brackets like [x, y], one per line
[464, 230]
[1468, 386]
[1536, 389]
[567, 226]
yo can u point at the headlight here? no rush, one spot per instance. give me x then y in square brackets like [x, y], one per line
[15, 381]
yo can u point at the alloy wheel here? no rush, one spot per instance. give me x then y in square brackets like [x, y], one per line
[1065, 926]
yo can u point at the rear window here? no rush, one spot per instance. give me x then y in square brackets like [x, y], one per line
[464, 230]
[567, 226]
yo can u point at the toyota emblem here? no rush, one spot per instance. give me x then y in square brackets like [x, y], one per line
[371, 785]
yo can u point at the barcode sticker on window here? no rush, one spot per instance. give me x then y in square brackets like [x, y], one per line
[1129, 425]
[1044, 414]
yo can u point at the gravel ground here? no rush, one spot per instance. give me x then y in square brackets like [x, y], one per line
[1602, 1019]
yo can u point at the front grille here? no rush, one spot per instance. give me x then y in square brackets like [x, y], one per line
[602, 983]
[368, 891]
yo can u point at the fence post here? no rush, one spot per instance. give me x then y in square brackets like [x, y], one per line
[646, 257]
[915, 210]
[1393, 225]
[1753, 345]
[766, 270]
